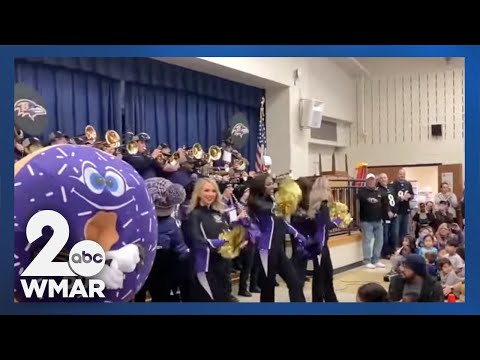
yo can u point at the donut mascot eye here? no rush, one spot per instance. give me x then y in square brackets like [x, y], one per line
[82, 194]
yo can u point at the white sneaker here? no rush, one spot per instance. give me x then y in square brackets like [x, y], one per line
[380, 265]
[370, 266]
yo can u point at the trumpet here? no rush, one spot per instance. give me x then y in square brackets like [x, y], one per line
[90, 133]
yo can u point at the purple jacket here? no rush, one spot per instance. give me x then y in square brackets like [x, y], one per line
[271, 226]
[170, 237]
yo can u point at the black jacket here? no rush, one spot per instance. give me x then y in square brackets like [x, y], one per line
[203, 228]
[370, 212]
[144, 165]
[431, 289]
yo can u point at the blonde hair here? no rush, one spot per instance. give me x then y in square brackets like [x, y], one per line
[440, 227]
[197, 191]
[320, 193]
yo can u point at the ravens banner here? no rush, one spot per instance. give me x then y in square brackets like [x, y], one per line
[29, 109]
[239, 130]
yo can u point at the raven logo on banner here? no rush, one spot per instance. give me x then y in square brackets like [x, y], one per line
[239, 130]
[30, 114]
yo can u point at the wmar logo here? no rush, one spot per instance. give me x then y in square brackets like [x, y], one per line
[29, 108]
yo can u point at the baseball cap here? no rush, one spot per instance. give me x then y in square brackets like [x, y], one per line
[370, 176]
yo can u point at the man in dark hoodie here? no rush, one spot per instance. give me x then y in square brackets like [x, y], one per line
[372, 208]
[413, 279]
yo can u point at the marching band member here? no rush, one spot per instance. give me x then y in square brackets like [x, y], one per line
[145, 164]
[232, 212]
[270, 243]
[246, 258]
[58, 138]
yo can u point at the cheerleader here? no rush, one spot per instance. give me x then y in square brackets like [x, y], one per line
[204, 226]
[273, 230]
[304, 225]
[322, 282]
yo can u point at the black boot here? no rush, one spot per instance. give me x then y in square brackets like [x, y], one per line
[255, 289]
[244, 293]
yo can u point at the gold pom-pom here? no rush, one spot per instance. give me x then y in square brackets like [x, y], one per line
[288, 197]
[340, 211]
[234, 242]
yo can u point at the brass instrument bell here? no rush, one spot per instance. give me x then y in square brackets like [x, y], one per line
[90, 133]
[197, 151]
[241, 165]
[112, 138]
[215, 152]
[132, 147]
[174, 158]
[18, 133]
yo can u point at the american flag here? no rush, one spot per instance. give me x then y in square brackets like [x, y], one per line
[261, 141]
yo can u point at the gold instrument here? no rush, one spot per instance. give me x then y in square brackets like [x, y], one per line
[196, 152]
[234, 242]
[288, 197]
[90, 133]
[173, 160]
[132, 147]
[112, 138]
[18, 133]
[31, 145]
[241, 164]
[215, 152]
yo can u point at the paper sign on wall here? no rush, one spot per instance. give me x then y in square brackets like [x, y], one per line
[447, 177]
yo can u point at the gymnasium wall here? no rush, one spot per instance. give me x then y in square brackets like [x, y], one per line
[395, 114]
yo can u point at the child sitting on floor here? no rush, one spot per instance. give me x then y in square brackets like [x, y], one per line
[428, 246]
[432, 265]
[372, 292]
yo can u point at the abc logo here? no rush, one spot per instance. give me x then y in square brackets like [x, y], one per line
[86, 258]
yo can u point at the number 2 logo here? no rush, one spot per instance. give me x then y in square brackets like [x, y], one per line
[42, 264]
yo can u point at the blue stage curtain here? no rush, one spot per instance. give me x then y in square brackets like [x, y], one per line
[155, 73]
[73, 98]
[179, 118]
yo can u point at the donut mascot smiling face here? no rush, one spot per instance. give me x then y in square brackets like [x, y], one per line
[102, 199]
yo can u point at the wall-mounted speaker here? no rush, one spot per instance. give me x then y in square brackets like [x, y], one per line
[436, 130]
[311, 113]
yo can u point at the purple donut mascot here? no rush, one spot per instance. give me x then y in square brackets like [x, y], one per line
[103, 199]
